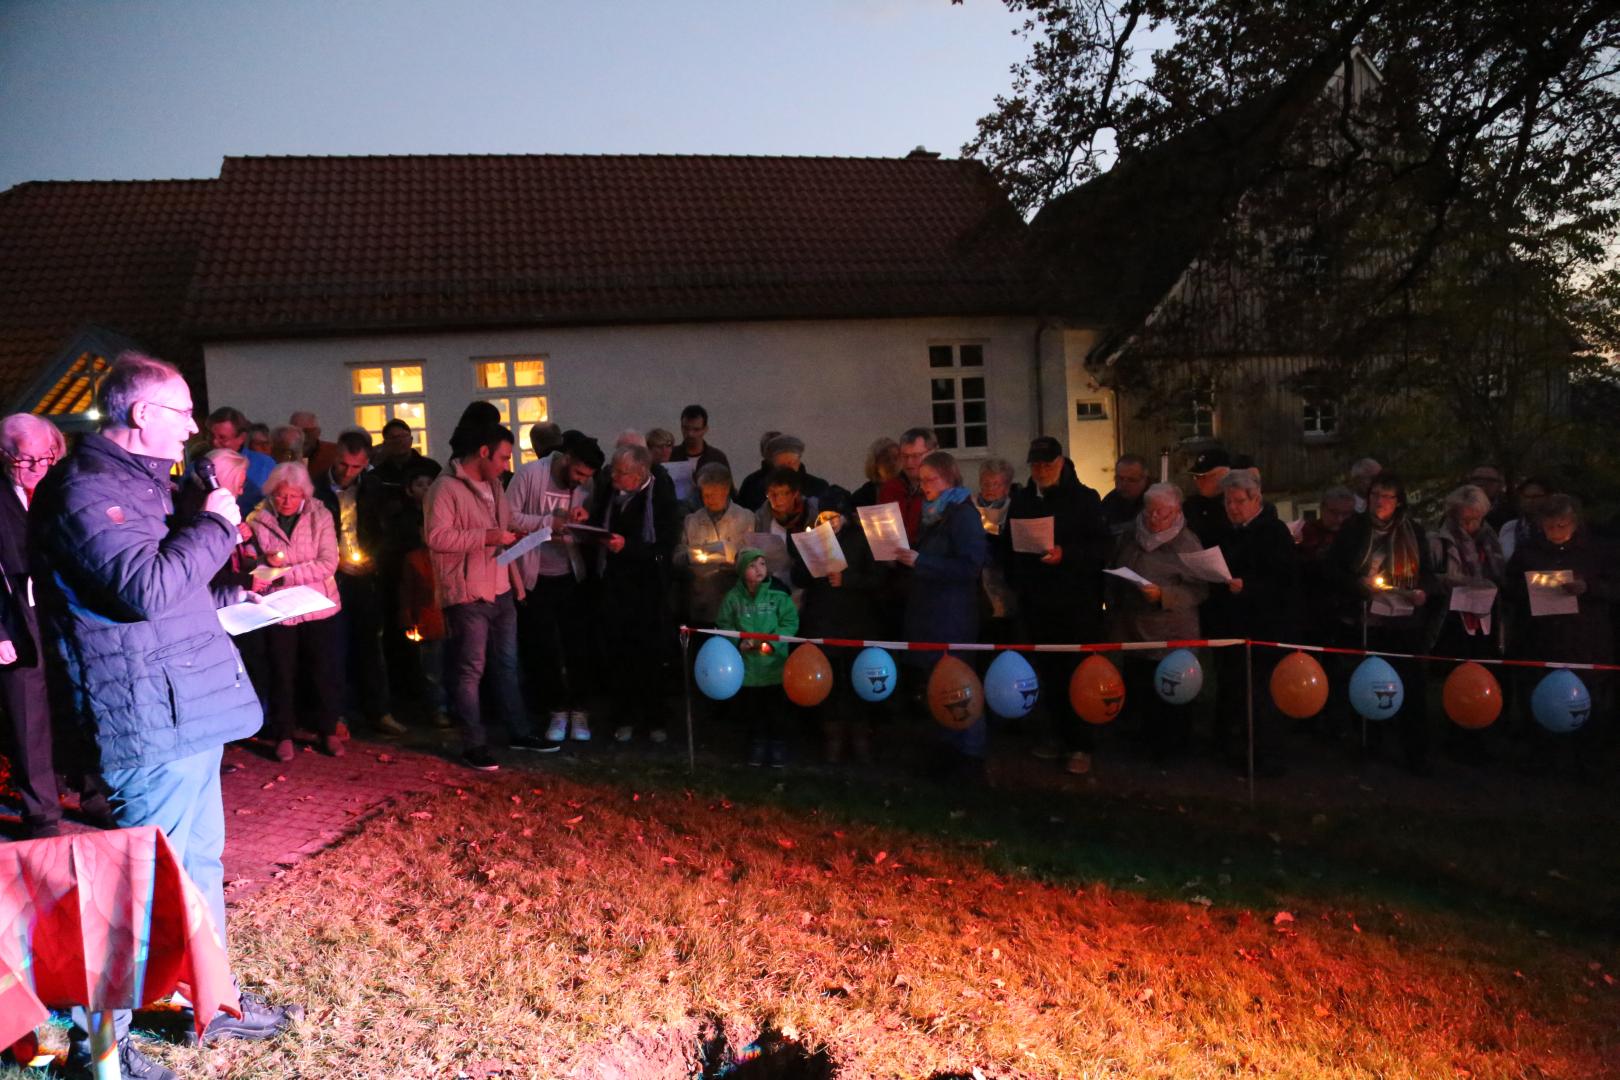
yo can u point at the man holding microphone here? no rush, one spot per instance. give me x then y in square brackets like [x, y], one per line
[153, 682]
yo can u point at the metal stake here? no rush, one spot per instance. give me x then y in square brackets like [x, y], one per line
[686, 676]
[1248, 679]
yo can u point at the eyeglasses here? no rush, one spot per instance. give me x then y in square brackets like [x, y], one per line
[172, 408]
[31, 462]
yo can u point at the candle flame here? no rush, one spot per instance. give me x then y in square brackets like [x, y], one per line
[413, 634]
[355, 556]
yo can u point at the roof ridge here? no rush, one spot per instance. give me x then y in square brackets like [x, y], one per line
[593, 157]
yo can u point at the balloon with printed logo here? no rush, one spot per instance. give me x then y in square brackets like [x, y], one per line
[1472, 696]
[955, 696]
[1011, 687]
[1299, 686]
[1179, 677]
[1561, 702]
[1096, 690]
[1376, 691]
[873, 674]
[719, 669]
[807, 677]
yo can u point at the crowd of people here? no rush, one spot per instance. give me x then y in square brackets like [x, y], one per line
[465, 595]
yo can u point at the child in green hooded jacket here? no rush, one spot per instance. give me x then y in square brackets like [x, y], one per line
[757, 605]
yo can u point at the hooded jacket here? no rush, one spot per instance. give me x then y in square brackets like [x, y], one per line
[768, 611]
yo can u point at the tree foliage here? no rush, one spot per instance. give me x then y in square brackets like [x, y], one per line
[1465, 213]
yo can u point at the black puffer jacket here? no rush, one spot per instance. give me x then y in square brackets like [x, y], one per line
[125, 606]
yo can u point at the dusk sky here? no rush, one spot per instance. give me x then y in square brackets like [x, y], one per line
[147, 89]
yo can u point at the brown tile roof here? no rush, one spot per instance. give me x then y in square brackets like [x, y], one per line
[114, 253]
[312, 244]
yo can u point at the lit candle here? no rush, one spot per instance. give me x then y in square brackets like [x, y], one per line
[356, 556]
[1380, 582]
[413, 634]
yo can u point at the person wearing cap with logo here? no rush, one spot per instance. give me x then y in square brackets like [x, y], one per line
[1205, 509]
[1059, 590]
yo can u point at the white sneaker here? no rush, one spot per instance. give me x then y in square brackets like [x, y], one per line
[580, 721]
[557, 730]
[624, 733]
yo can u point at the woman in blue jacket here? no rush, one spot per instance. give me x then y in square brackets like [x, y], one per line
[942, 601]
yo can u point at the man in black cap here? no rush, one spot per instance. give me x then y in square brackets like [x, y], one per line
[1206, 510]
[1059, 590]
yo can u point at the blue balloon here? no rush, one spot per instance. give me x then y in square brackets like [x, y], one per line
[719, 669]
[873, 674]
[1375, 690]
[1179, 677]
[1561, 702]
[1011, 687]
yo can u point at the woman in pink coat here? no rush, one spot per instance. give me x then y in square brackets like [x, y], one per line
[296, 535]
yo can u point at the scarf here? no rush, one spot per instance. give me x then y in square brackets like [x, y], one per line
[1151, 541]
[993, 514]
[621, 502]
[1392, 551]
[934, 509]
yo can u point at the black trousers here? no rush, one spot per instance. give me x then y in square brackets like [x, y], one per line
[1059, 626]
[303, 655]
[28, 725]
[555, 643]
[361, 643]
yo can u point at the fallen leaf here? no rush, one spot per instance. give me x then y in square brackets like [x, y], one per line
[385, 758]
[784, 843]
[267, 787]
[879, 857]
[575, 820]
[1282, 918]
[420, 815]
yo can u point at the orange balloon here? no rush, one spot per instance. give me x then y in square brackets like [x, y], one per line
[1096, 690]
[1472, 696]
[1299, 686]
[807, 676]
[955, 695]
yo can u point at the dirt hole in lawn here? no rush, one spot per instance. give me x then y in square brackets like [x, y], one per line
[769, 1056]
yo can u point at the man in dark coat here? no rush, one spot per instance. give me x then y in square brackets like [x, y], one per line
[1059, 590]
[1205, 509]
[1261, 601]
[151, 678]
[29, 445]
[1121, 506]
[782, 452]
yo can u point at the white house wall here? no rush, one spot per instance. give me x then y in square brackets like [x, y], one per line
[836, 384]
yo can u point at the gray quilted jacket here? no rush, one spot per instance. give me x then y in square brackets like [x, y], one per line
[126, 611]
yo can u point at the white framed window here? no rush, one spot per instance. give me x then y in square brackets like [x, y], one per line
[516, 386]
[958, 397]
[1090, 410]
[380, 392]
[1319, 415]
[1197, 422]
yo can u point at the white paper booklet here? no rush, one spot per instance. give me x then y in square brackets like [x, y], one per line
[681, 472]
[1032, 536]
[885, 530]
[1206, 565]
[1128, 574]
[1473, 599]
[820, 550]
[1547, 595]
[251, 614]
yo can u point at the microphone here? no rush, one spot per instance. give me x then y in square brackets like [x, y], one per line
[206, 476]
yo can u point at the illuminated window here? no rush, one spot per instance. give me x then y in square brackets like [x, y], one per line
[956, 391]
[1198, 422]
[522, 402]
[384, 392]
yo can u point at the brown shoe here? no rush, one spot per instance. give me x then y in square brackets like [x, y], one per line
[333, 745]
[285, 751]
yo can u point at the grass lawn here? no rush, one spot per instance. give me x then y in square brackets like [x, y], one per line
[601, 917]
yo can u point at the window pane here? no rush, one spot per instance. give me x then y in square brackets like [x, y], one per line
[939, 356]
[405, 380]
[528, 373]
[419, 440]
[531, 410]
[944, 389]
[368, 380]
[946, 437]
[371, 417]
[973, 412]
[505, 408]
[972, 388]
[520, 452]
[972, 355]
[945, 413]
[976, 435]
[492, 374]
[413, 413]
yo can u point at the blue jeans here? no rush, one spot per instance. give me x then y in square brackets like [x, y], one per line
[482, 634]
[183, 799]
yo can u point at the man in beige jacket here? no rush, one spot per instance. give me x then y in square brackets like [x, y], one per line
[466, 523]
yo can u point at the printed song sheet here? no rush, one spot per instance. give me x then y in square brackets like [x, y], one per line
[523, 547]
[681, 473]
[252, 614]
[1547, 595]
[885, 530]
[1473, 599]
[1032, 536]
[1206, 565]
[1129, 575]
[820, 550]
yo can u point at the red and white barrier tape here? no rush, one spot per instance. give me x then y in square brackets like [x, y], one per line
[1134, 646]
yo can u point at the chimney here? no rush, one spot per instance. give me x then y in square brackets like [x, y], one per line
[922, 153]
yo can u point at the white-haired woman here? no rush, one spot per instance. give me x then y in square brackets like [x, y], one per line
[295, 533]
[1467, 555]
[1165, 609]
